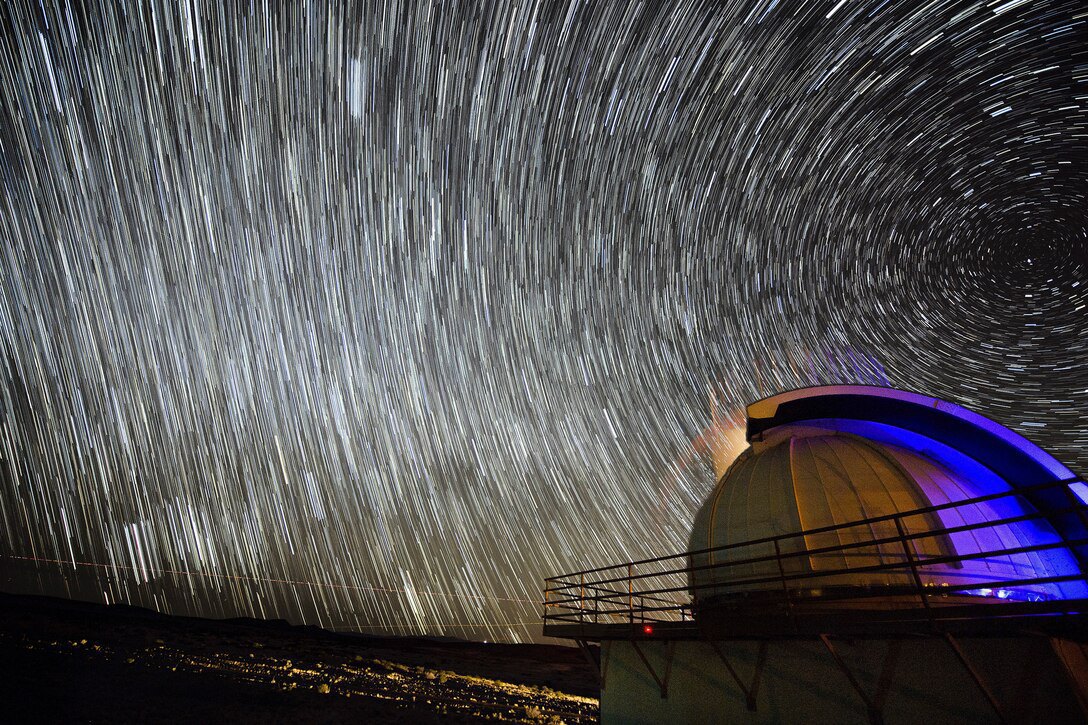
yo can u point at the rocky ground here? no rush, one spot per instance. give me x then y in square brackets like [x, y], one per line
[70, 661]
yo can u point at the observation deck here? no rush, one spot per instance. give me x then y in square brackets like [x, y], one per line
[658, 598]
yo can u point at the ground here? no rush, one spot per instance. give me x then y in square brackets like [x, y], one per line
[70, 661]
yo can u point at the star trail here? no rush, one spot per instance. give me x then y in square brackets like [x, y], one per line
[372, 316]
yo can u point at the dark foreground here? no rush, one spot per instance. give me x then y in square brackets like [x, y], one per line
[67, 661]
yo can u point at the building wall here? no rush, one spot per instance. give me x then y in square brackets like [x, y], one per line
[1031, 678]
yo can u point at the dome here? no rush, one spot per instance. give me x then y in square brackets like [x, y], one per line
[815, 484]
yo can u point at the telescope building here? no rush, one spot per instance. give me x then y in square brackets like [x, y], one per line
[874, 555]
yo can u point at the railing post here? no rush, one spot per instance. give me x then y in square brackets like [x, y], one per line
[913, 568]
[582, 599]
[630, 593]
[1077, 504]
[782, 578]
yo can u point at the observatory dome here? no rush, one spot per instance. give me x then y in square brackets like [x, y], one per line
[810, 486]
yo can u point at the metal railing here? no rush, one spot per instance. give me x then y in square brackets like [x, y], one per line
[897, 561]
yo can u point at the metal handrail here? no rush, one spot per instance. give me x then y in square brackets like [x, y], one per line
[926, 561]
[894, 567]
[601, 592]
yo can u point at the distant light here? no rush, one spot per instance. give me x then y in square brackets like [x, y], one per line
[647, 629]
[1017, 595]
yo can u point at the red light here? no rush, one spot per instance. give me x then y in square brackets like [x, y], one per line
[647, 629]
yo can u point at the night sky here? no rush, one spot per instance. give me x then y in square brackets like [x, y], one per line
[372, 318]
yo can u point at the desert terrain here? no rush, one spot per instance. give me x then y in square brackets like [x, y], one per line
[67, 661]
